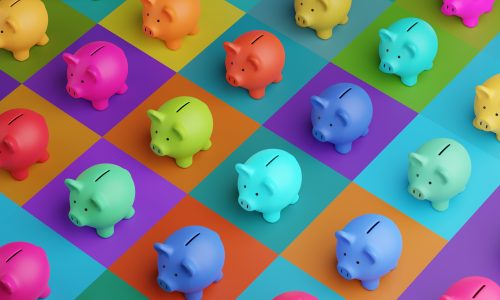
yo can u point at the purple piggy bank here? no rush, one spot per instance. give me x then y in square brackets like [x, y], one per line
[367, 249]
[340, 115]
[190, 260]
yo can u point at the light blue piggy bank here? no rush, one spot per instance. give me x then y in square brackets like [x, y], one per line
[407, 48]
[268, 182]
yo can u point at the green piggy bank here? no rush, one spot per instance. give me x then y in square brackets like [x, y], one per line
[180, 129]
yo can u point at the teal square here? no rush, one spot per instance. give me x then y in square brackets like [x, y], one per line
[71, 270]
[282, 276]
[245, 5]
[208, 71]
[453, 108]
[386, 177]
[319, 187]
[95, 9]
[280, 14]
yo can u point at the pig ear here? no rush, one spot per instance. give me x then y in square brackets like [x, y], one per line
[243, 169]
[180, 130]
[12, 24]
[11, 143]
[344, 236]
[386, 35]
[148, 2]
[483, 92]
[156, 116]
[372, 256]
[70, 59]
[94, 73]
[189, 266]
[170, 13]
[344, 116]
[324, 3]
[73, 185]
[164, 249]
[417, 159]
[8, 284]
[99, 201]
[255, 62]
[270, 185]
[319, 102]
[412, 48]
[231, 48]
[443, 174]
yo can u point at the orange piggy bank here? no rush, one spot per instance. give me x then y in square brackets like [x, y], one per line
[23, 24]
[171, 20]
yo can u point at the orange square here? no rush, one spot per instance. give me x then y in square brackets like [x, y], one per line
[246, 258]
[314, 250]
[231, 128]
[68, 139]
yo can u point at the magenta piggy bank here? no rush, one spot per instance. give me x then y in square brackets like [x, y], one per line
[24, 272]
[473, 288]
[468, 10]
[295, 295]
[96, 72]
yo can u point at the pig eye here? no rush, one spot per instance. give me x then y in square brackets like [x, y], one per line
[256, 194]
[175, 274]
[232, 63]
[418, 175]
[301, 3]
[242, 70]
[312, 9]
[496, 114]
[386, 50]
[156, 131]
[86, 209]
[168, 139]
[399, 56]
[71, 74]
[158, 21]
[345, 254]
[331, 124]
[82, 81]
[484, 107]
[319, 118]
[147, 14]
[74, 201]
[357, 262]
[430, 182]
[1, 31]
[244, 186]
[163, 266]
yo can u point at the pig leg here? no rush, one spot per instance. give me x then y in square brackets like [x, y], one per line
[20, 175]
[100, 104]
[44, 40]
[45, 293]
[279, 78]
[295, 199]
[123, 89]
[470, 22]
[207, 145]
[324, 33]
[440, 205]
[194, 296]
[130, 213]
[272, 217]
[173, 45]
[45, 157]
[195, 30]
[345, 20]
[498, 136]
[257, 93]
[370, 284]
[409, 80]
[219, 278]
[22, 55]
[184, 162]
[343, 148]
[366, 132]
[106, 232]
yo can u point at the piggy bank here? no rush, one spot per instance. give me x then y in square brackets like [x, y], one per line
[100, 197]
[295, 296]
[254, 61]
[23, 24]
[190, 260]
[468, 10]
[171, 20]
[322, 15]
[181, 128]
[367, 249]
[96, 72]
[340, 115]
[407, 48]
[473, 288]
[24, 137]
[268, 182]
[24, 272]
[438, 171]
[487, 106]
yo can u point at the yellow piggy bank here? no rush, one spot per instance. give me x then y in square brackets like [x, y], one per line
[487, 106]
[322, 15]
[23, 24]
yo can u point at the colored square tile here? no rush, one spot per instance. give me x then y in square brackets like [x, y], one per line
[294, 73]
[65, 26]
[231, 128]
[320, 185]
[8, 84]
[140, 84]
[154, 198]
[365, 149]
[67, 262]
[453, 108]
[477, 241]
[282, 276]
[314, 250]
[393, 185]
[245, 257]
[477, 37]
[110, 286]
[126, 21]
[362, 60]
[95, 10]
[280, 14]
[244, 5]
[67, 140]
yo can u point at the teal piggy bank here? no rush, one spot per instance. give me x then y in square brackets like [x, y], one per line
[100, 197]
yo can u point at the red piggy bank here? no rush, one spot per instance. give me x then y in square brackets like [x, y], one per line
[254, 60]
[24, 137]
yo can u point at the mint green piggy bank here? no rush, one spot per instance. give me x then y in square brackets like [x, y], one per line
[100, 197]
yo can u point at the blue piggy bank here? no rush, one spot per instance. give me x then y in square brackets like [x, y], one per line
[407, 48]
[268, 182]
[367, 249]
[340, 115]
[190, 260]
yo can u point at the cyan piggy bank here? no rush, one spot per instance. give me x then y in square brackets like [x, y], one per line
[407, 48]
[100, 197]
[268, 182]
[190, 260]
[340, 115]
[368, 248]
[439, 170]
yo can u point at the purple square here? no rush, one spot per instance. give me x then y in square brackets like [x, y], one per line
[293, 122]
[145, 76]
[473, 251]
[154, 198]
[7, 84]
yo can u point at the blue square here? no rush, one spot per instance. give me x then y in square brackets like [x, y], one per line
[95, 9]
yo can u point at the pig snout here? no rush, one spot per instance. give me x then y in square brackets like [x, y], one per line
[165, 285]
[76, 220]
[73, 91]
[246, 205]
[233, 79]
[302, 20]
[150, 31]
[157, 149]
[387, 67]
[417, 192]
[482, 123]
[448, 8]
[345, 272]
[320, 135]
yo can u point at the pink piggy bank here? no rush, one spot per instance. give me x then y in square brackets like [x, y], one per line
[24, 272]
[254, 60]
[468, 10]
[295, 296]
[96, 72]
[473, 288]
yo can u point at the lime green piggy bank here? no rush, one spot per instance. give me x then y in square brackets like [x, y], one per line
[180, 129]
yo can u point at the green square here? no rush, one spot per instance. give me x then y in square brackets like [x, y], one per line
[477, 37]
[320, 185]
[65, 26]
[110, 286]
[361, 59]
